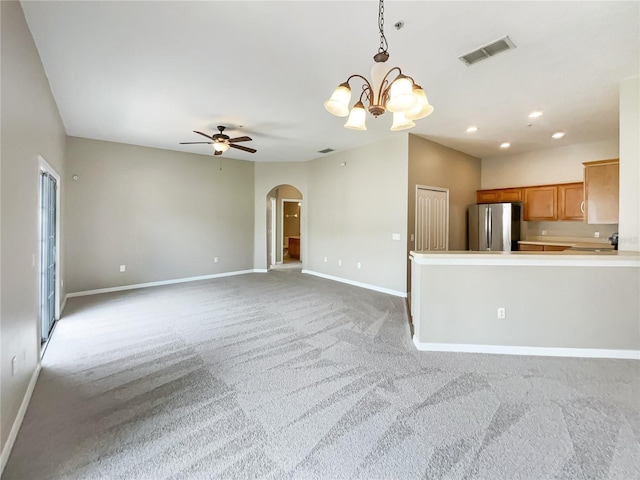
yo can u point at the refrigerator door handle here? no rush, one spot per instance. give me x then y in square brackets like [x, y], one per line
[488, 220]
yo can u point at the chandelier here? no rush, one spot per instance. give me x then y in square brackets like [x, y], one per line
[402, 95]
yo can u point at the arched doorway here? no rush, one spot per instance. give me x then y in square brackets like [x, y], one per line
[284, 227]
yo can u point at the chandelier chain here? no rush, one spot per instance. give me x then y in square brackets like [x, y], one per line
[383, 40]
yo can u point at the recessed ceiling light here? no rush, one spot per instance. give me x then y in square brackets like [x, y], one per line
[472, 129]
[505, 145]
[557, 135]
[535, 114]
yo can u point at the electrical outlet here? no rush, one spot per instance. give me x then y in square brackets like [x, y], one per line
[215, 259]
[395, 236]
[326, 259]
[359, 265]
[14, 366]
[544, 232]
[596, 234]
[339, 263]
[123, 268]
[502, 313]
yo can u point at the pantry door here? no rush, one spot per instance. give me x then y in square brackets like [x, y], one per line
[432, 218]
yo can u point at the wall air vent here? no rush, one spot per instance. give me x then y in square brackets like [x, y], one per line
[493, 48]
[327, 150]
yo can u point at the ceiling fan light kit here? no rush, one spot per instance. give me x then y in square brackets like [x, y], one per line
[220, 146]
[401, 96]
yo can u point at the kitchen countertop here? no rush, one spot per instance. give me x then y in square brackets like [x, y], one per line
[609, 258]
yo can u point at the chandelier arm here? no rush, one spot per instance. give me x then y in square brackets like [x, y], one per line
[368, 84]
[366, 91]
[365, 88]
[384, 90]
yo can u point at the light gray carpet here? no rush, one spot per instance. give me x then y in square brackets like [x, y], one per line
[284, 375]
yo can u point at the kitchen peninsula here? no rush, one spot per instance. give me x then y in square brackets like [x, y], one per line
[570, 303]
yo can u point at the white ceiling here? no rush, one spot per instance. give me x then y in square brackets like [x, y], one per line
[148, 73]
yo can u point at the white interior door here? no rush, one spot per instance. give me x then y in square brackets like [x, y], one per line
[432, 218]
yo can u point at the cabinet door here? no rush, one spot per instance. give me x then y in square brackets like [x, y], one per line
[530, 248]
[554, 248]
[499, 195]
[488, 196]
[601, 180]
[571, 201]
[541, 203]
[511, 195]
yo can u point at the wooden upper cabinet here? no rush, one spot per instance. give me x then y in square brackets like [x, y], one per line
[565, 201]
[499, 195]
[488, 196]
[571, 201]
[511, 195]
[541, 203]
[601, 191]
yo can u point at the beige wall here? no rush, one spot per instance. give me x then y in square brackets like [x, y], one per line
[599, 311]
[31, 126]
[434, 165]
[353, 210]
[630, 164]
[544, 167]
[575, 230]
[349, 213]
[163, 214]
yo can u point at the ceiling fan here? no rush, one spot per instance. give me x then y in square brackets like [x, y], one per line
[222, 142]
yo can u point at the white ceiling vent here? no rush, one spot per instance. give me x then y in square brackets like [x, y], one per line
[326, 150]
[493, 48]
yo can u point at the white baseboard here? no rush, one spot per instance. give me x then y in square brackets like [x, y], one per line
[15, 428]
[162, 282]
[534, 351]
[357, 284]
[260, 270]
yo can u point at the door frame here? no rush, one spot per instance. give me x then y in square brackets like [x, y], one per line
[292, 200]
[415, 220]
[44, 166]
[272, 235]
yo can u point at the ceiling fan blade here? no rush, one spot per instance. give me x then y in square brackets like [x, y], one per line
[240, 139]
[204, 135]
[193, 143]
[240, 147]
[217, 152]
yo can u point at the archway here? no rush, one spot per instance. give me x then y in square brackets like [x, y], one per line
[284, 220]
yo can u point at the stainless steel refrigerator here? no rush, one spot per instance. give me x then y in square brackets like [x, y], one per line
[494, 226]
